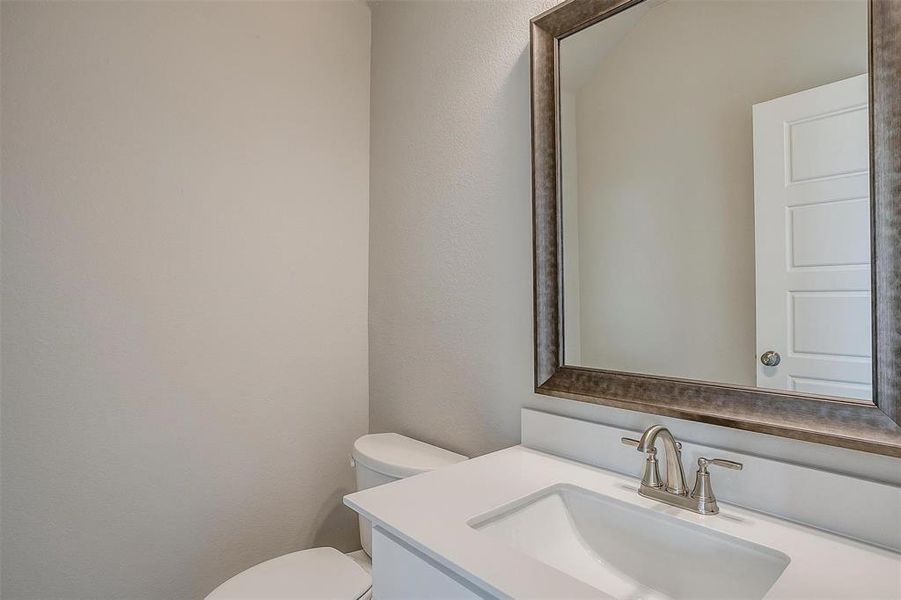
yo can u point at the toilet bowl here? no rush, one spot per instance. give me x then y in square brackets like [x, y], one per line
[320, 573]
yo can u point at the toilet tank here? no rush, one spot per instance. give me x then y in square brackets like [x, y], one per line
[385, 457]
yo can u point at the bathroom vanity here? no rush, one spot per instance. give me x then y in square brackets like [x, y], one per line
[526, 523]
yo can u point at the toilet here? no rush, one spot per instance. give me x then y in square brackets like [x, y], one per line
[320, 573]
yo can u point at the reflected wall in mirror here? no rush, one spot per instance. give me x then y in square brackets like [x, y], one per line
[715, 194]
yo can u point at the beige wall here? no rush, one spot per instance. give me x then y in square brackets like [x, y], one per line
[451, 246]
[185, 213]
[666, 189]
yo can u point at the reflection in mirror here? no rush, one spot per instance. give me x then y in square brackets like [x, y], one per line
[715, 194]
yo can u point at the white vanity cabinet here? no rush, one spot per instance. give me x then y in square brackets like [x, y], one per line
[401, 572]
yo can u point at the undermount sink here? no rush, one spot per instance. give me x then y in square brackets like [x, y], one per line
[632, 552]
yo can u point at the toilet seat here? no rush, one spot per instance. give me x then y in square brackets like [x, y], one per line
[315, 574]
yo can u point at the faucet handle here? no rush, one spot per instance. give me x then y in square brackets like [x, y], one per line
[703, 492]
[719, 462]
[651, 475]
[634, 442]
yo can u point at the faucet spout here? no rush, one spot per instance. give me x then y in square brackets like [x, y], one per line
[675, 475]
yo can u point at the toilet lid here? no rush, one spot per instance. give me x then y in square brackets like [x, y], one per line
[318, 573]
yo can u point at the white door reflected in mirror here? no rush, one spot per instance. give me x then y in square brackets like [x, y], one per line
[666, 269]
[812, 224]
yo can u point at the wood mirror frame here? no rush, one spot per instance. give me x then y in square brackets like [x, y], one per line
[870, 428]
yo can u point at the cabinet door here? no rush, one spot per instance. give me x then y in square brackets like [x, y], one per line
[400, 572]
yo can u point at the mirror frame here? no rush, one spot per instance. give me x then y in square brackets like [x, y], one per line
[870, 428]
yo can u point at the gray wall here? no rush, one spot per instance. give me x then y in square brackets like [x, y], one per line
[450, 273]
[185, 203]
[450, 240]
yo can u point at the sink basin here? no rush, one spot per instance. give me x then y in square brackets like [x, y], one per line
[631, 552]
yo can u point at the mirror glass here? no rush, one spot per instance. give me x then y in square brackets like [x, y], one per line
[715, 194]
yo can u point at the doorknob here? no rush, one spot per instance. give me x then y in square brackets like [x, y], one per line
[770, 358]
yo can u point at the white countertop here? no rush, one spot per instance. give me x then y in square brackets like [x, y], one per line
[431, 511]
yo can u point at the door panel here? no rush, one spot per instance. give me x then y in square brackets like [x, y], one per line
[830, 323]
[811, 224]
[830, 145]
[831, 387]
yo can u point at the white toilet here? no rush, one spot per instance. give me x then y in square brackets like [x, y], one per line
[325, 573]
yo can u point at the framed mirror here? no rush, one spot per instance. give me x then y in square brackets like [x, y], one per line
[717, 206]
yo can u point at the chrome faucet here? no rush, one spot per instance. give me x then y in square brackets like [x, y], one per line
[675, 491]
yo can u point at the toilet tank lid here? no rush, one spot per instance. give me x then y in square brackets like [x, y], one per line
[394, 455]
